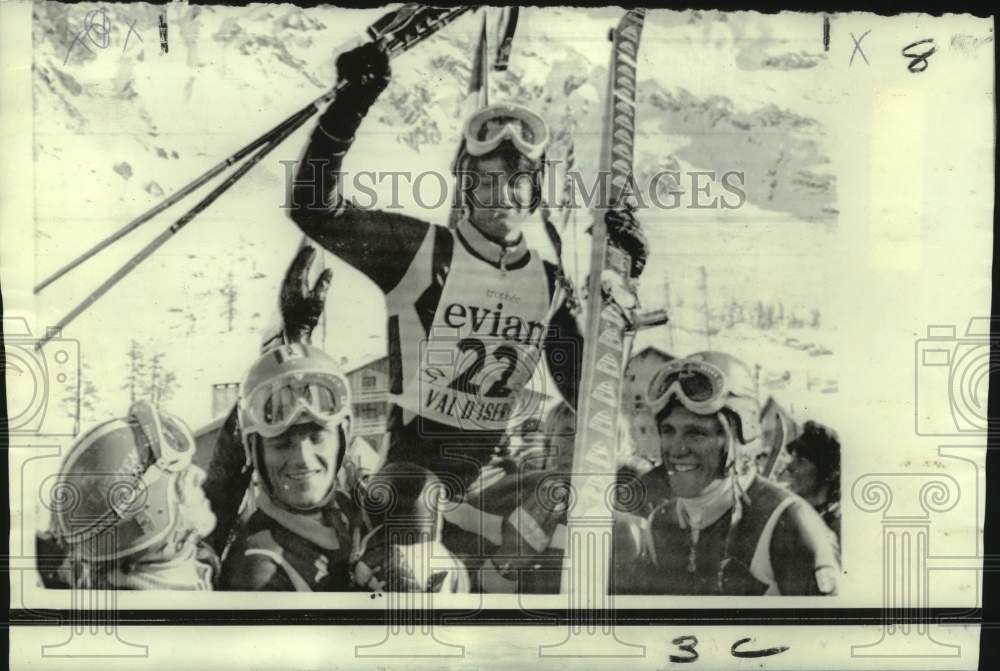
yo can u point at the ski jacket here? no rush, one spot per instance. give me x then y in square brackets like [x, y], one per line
[774, 549]
[511, 531]
[279, 551]
[640, 495]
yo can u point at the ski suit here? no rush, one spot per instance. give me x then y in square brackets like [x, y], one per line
[468, 319]
[280, 551]
[775, 548]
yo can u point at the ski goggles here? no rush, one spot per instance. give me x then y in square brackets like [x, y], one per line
[700, 386]
[278, 404]
[172, 447]
[169, 440]
[526, 130]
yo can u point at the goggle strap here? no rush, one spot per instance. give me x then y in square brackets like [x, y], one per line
[513, 130]
[165, 455]
[148, 420]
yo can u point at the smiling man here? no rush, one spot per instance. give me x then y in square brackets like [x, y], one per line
[725, 531]
[295, 417]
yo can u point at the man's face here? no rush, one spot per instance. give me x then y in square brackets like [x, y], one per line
[499, 183]
[802, 477]
[301, 464]
[693, 449]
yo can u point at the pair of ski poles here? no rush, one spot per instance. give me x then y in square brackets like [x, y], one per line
[397, 31]
[256, 150]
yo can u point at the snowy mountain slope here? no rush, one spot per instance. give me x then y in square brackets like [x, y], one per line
[118, 127]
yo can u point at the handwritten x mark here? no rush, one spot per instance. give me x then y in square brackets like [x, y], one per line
[857, 48]
[131, 31]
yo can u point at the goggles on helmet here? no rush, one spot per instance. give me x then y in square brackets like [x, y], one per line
[277, 404]
[487, 128]
[170, 441]
[700, 386]
[707, 383]
[140, 505]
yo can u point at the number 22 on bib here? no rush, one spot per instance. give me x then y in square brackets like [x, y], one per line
[482, 347]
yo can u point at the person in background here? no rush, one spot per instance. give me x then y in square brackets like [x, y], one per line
[814, 471]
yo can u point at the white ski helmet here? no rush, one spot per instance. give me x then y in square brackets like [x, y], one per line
[288, 385]
[706, 383]
[710, 383]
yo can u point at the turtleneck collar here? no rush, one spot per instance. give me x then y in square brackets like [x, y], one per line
[714, 501]
[702, 511]
[503, 256]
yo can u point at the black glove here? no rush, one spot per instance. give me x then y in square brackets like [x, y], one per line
[625, 232]
[301, 306]
[365, 72]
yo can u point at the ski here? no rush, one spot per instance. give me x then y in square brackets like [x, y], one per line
[609, 304]
[411, 24]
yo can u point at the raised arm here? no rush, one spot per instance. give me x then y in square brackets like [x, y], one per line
[379, 243]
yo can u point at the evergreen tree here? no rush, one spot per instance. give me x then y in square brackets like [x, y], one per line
[154, 379]
[814, 320]
[81, 399]
[136, 371]
[230, 293]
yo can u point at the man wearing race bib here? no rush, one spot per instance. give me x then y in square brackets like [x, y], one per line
[471, 311]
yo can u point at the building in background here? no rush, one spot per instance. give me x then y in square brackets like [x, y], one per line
[370, 398]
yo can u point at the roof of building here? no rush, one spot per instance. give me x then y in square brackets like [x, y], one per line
[364, 361]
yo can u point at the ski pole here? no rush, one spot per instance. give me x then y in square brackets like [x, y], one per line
[398, 31]
[171, 200]
[289, 127]
[776, 449]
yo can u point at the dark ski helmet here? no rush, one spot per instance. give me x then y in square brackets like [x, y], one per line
[117, 492]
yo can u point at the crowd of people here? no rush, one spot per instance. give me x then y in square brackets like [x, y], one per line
[291, 502]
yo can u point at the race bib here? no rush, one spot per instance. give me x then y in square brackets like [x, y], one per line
[483, 347]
